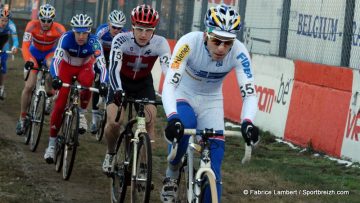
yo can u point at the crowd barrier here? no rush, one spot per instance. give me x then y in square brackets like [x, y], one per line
[310, 105]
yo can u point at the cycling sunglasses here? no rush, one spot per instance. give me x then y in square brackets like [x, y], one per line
[142, 29]
[116, 28]
[46, 20]
[217, 41]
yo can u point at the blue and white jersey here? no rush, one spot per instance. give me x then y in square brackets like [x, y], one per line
[72, 53]
[103, 33]
[194, 76]
[10, 29]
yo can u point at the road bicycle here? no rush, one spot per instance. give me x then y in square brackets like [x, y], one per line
[133, 159]
[192, 182]
[68, 138]
[36, 113]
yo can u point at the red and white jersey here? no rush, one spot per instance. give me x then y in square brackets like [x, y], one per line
[195, 77]
[132, 61]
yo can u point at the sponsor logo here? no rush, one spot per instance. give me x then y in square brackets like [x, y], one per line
[97, 53]
[180, 55]
[148, 52]
[246, 64]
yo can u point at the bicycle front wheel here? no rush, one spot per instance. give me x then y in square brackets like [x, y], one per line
[29, 118]
[102, 122]
[120, 179]
[183, 183]
[141, 183]
[208, 185]
[37, 120]
[71, 141]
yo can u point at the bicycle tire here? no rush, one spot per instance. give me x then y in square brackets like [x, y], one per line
[208, 181]
[183, 183]
[100, 133]
[71, 142]
[120, 179]
[60, 144]
[27, 122]
[59, 155]
[37, 120]
[141, 185]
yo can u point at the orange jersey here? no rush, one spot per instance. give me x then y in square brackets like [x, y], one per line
[40, 39]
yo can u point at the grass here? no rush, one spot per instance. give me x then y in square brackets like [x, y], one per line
[274, 166]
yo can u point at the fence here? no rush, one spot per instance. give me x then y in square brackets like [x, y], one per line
[319, 31]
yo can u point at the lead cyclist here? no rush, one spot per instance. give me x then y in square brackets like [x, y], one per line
[192, 91]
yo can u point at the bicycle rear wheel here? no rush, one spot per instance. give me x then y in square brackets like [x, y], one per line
[141, 184]
[71, 142]
[120, 179]
[37, 120]
[102, 122]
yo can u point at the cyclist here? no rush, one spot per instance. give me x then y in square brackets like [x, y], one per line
[192, 91]
[132, 58]
[7, 27]
[75, 55]
[106, 32]
[39, 43]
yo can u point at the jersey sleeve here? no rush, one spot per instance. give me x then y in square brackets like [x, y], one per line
[116, 56]
[14, 35]
[59, 54]
[164, 55]
[174, 74]
[27, 39]
[100, 60]
[245, 78]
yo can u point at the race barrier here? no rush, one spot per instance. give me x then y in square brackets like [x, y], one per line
[307, 104]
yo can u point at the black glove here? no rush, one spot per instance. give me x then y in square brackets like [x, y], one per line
[118, 97]
[28, 65]
[250, 132]
[103, 89]
[174, 130]
[56, 83]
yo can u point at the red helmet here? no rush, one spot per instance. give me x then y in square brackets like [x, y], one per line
[144, 15]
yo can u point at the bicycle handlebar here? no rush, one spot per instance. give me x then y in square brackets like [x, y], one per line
[92, 89]
[143, 101]
[8, 52]
[211, 133]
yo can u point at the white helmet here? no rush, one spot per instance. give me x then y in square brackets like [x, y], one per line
[222, 20]
[117, 18]
[81, 23]
[46, 11]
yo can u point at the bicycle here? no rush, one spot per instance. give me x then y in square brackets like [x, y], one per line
[68, 138]
[36, 112]
[192, 182]
[133, 158]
